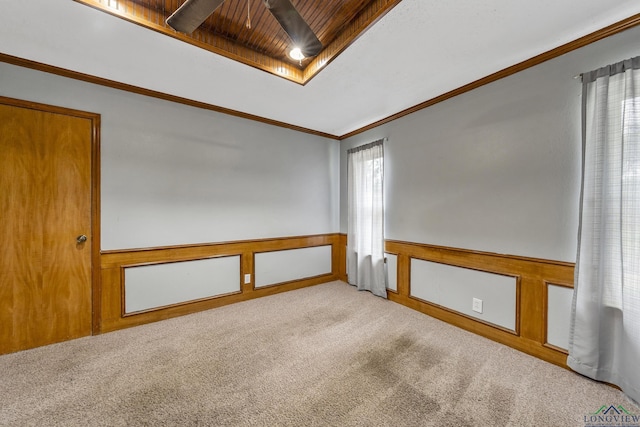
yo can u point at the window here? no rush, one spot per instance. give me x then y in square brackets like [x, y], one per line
[605, 330]
[365, 238]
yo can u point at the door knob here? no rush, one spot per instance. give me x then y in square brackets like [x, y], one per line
[81, 238]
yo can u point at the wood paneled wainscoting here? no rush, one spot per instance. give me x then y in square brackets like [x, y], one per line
[529, 301]
[145, 285]
[531, 276]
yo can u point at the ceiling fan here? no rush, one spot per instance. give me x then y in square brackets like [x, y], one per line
[192, 13]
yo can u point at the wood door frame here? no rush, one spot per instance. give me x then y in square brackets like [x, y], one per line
[94, 118]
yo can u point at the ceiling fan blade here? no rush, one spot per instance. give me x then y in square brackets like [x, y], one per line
[292, 23]
[191, 14]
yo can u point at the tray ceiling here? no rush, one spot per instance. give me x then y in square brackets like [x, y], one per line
[263, 44]
[420, 52]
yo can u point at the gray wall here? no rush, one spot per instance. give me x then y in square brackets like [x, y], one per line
[496, 169]
[173, 174]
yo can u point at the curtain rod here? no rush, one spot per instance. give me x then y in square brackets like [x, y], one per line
[368, 145]
[611, 70]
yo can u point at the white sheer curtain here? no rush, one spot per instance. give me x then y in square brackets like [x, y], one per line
[365, 236]
[605, 329]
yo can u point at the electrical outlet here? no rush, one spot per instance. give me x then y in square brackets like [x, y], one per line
[477, 305]
[247, 278]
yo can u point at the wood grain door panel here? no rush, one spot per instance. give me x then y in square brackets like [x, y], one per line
[45, 179]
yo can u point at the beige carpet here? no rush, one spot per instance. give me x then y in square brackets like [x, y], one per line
[321, 356]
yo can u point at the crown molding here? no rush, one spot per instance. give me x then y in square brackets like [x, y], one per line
[27, 63]
[603, 33]
[598, 35]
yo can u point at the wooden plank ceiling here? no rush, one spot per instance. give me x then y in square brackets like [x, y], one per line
[265, 45]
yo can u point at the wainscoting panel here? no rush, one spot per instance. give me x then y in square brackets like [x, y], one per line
[455, 288]
[275, 267]
[536, 329]
[341, 262]
[559, 301]
[152, 286]
[391, 271]
[208, 276]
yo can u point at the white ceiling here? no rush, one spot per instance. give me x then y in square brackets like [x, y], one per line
[419, 50]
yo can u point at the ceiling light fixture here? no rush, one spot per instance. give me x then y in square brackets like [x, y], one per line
[296, 54]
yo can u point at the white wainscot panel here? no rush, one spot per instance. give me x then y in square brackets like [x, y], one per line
[456, 287]
[391, 271]
[291, 264]
[559, 300]
[159, 285]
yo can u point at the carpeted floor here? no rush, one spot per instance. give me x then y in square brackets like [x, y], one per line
[327, 355]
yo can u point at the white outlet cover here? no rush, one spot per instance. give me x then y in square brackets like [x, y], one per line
[247, 278]
[477, 305]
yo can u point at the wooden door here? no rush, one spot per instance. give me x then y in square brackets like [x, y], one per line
[45, 204]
